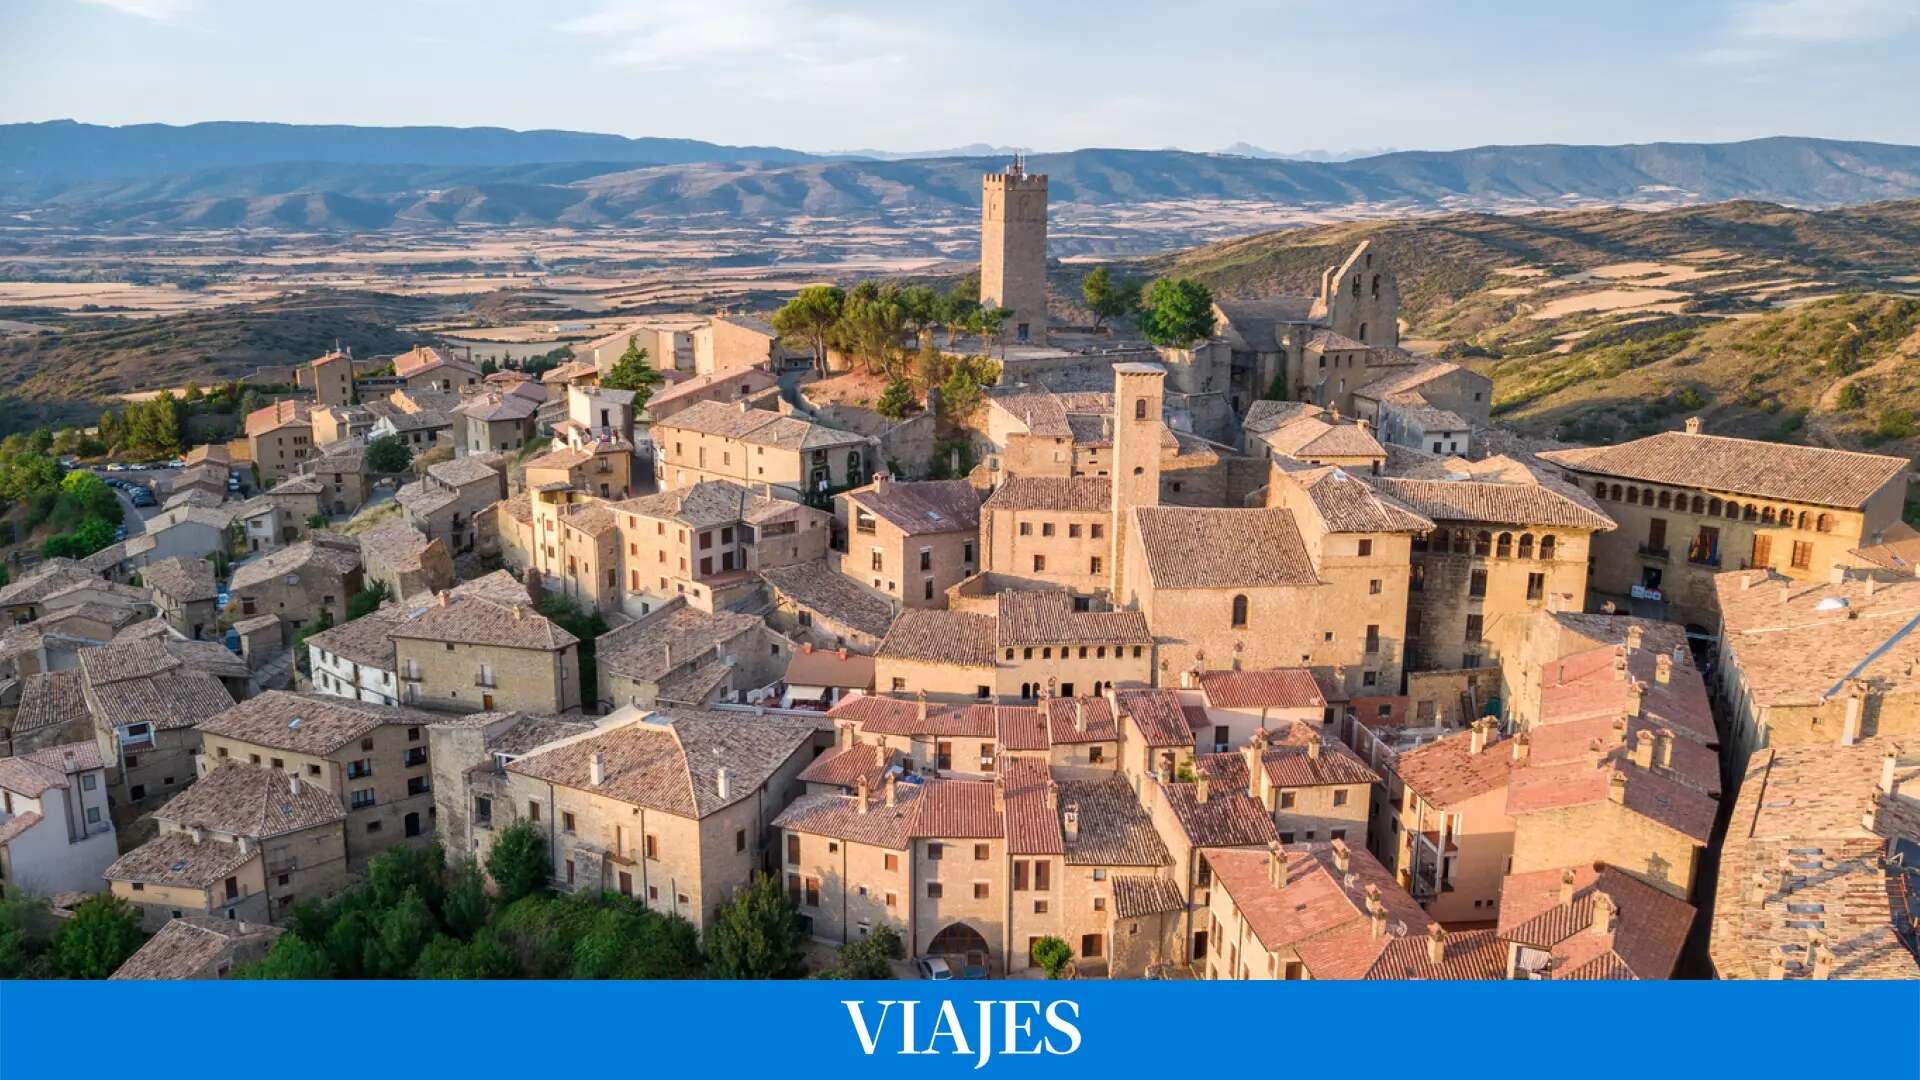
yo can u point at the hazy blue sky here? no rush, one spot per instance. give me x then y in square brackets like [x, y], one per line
[1048, 74]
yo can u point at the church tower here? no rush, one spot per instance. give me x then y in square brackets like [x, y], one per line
[1013, 250]
[1139, 391]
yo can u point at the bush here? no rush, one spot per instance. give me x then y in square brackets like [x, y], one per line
[1853, 397]
[897, 401]
[387, 454]
[292, 957]
[756, 935]
[102, 933]
[518, 862]
[1053, 955]
[367, 600]
[868, 957]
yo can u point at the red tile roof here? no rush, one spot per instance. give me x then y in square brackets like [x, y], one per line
[843, 766]
[1278, 688]
[1446, 771]
[1641, 939]
[904, 716]
[1032, 808]
[1321, 913]
[959, 810]
[1157, 715]
[1464, 954]
[1081, 720]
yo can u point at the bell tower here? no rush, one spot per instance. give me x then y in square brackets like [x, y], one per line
[1138, 393]
[1013, 250]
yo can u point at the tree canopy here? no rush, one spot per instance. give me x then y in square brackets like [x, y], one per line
[102, 933]
[756, 935]
[388, 454]
[1176, 312]
[1106, 297]
[809, 319]
[632, 372]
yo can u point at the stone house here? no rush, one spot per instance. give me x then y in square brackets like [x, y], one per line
[1051, 530]
[783, 455]
[299, 582]
[728, 343]
[145, 698]
[813, 604]
[1590, 922]
[1314, 787]
[1304, 432]
[911, 541]
[672, 809]
[707, 542]
[758, 388]
[400, 557]
[1691, 505]
[421, 429]
[355, 660]
[679, 655]
[245, 842]
[445, 502]
[470, 754]
[191, 532]
[331, 376]
[56, 829]
[495, 421]
[341, 471]
[279, 438]
[430, 367]
[475, 651]
[371, 760]
[1442, 825]
[603, 470]
[198, 947]
[1036, 645]
[184, 591]
[334, 424]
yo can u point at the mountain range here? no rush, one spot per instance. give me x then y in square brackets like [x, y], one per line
[341, 178]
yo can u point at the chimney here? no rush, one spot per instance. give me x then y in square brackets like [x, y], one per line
[1663, 748]
[843, 654]
[1566, 886]
[1837, 575]
[1643, 748]
[846, 735]
[1250, 754]
[1376, 911]
[1786, 592]
[1436, 943]
[519, 613]
[893, 790]
[597, 768]
[1663, 669]
[1636, 698]
[1603, 909]
[197, 834]
[1342, 859]
[1617, 787]
[1872, 585]
[1620, 664]
[1079, 716]
[1747, 581]
[1203, 786]
[1759, 887]
[1635, 635]
[1693, 425]
[999, 791]
[293, 784]
[1887, 766]
[1777, 967]
[1520, 744]
[667, 649]
[1850, 726]
[1186, 679]
[1277, 866]
[880, 481]
[1816, 944]
[723, 782]
[1823, 963]
[1784, 868]
[1609, 607]
[806, 647]
[920, 706]
[860, 795]
[442, 598]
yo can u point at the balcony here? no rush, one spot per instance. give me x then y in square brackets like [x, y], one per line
[486, 680]
[1707, 557]
[1648, 551]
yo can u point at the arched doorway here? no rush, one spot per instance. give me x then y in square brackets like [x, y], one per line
[959, 939]
[412, 824]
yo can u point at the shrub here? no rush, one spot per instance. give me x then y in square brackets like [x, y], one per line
[1053, 955]
[518, 862]
[756, 935]
[102, 933]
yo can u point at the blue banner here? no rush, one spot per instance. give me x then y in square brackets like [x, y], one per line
[164, 1031]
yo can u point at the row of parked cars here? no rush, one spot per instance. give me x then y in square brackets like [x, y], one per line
[137, 494]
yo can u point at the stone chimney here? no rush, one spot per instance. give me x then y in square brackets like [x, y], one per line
[597, 768]
[1663, 748]
[1250, 754]
[1521, 743]
[1477, 741]
[1856, 708]
[1693, 425]
[893, 790]
[880, 482]
[666, 650]
[1566, 886]
[1637, 699]
[1837, 575]
[1888, 764]
[1620, 663]
[197, 834]
[1643, 748]
[723, 782]
[920, 706]
[1663, 669]
[1747, 581]
[1202, 787]
[293, 783]
[1823, 959]
[1603, 909]
[860, 795]
[1635, 636]
[1070, 822]
[1186, 679]
[1617, 787]
[442, 597]
[1342, 858]
[1276, 866]
[806, 648]
[1786, 592]
[846, 736]
[1376, 912]
[1436, 943]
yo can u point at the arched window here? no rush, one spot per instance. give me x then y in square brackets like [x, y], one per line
[1356, 285]
[1483, 543]
[1546, 546]
[1440, 540]
[1823, 523]
[1748, 513]
[1766, 515]
[1026, 691]
[1646, 496]
[1733, 511]
[1600, 489]
[1633, 496]
[1503, 548]
[853, 465]
[1699, 505]
[1713, 507]
[1140, 409]
[1363, 332]
[1239, 612]
[1526, 545]
[1801, 520]
[1666, 500]
[1376, 286]
[1462, 543]
[1616, 493]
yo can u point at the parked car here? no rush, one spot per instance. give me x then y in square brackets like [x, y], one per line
[142, 497]
[233, 483]
[932, 967]
[177, 463]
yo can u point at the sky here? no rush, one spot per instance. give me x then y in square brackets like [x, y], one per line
[826, 75]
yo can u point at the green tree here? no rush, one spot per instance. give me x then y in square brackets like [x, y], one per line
[756, 935]
[964, 389]
[871, 324]
[402, 931]
[367, 600]
[631, 372]
[292, 957]
[485, 957]
[102, 933]
[466, 908]
[587, 625]
[488, 366]
[16, 947]
[897, 400]
[517, 862]
[399, 871]
[868, 957]
[809, 319]
[316, 521]
[1176, 312]
[1853, 396]
[1106, 297]
[388, 454]
[957, 307]
[921, 307]
[1053, 955]
[987, 322]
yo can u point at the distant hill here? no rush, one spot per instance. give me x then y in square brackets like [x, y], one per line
[354, 179]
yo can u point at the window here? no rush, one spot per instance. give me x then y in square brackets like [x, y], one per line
[1373, 638]
[1094, 565]
[1802, 555]
[793, 849]
[1473, 627]
[1039, 563]
[1762, 551]
[982, 852]
[1286, 800]
[1477, 583]
[979, 890]
[1373, 587]
[1026, 528]
[533, 810]
[1366, 548]
[1095, 532]
[1340, 797]
[936, 852]
[890, 861]
[1240, 611]
[362, 798]
[651, 844]
[1046, 528]
[813, 892]
[926, 558]
[566, 821]
[1140, 409]
[1073, 532]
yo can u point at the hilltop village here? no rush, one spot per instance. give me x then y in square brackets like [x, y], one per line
[1241, 647]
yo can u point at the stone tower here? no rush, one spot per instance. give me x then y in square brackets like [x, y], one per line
[1013, 250]
[1361, 298]
[1139, 391]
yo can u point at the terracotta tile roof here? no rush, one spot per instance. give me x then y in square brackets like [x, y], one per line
[1348, 504]
[1653, 795]
[68, 758]
[16, 826]
[280, 414]
[303, 557]
[1275, 688]
[33, 774]
[1046, 617]
[900, 716]
[923, 507]
[173, 859]
[1307, 436]
[1321, 913]
[519, 507]
[1113, 829]
[51, 699]
[1446, 772]
[426, 358]
[1264, 416]
[1798, 642]
[310, 723]
[169, 700]
[252, 801]
[1260, 323]
[1899, 549]
[564, 457]
[185, 580]
[1047, 413]
[187, 947]
[1767, 470]
[814, 586]
[1642, 936]
[1291, 763]
[1228, 818]
[958, 810]
[1137, 895]
[49, 577]
[476, 619]
[1080, 720]
[1157, 715]
[461, 471]
[1078, 494]
[498, 405]
[829, 667]
[671, 761]
[1464, 954]
[1032, 808]
[1402, 378]
[673, 636]
[1195, 548]
[746, 383]
[363, 640]
[757, 427]
[844, 766]
[1022, 727]
[931, 636]
[839, 816]
[1493, 503]
[707, 504]
[1799, 857]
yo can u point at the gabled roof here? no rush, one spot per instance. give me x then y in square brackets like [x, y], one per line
[475, 619]
[672, 761]
[1074, 494]
[1157, 715]
[1204, 548]
[704, 505]
[1274, 688]
[308, 723]
[182, 579]
[1046, 617]
[297, 558]
[923, 507]
[1494, 503]
[1766, 470]
[1321, 913]
[1348, 504]
[252, 801]
[186, 947]
[1637, 934]
[815, 586]
[757, 427]
[939, 636]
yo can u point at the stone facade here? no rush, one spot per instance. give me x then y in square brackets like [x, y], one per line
[1013, 250]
